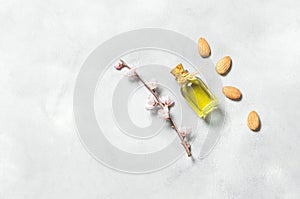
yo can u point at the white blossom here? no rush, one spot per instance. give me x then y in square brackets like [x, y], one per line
[164, 112]
[152, 85]
[151, 102]
[130, 72]
[166, 100]
[184, 131]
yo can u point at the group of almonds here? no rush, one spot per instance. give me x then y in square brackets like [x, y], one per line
[222, 67]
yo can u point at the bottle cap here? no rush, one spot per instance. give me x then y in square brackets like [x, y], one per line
[181, 74]
[179, 70]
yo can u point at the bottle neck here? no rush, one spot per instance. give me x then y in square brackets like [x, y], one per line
[186, 77]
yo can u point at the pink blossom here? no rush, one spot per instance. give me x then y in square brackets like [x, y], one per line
[166, 100]
[187, 144]
[151, 102]
[119, 65]
[184, 131]
[164, 112]
[130, 72]
[152, 85]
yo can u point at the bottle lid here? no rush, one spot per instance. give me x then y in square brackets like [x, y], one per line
[181, 74]
[178, 70]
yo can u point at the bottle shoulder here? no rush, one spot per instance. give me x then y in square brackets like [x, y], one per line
[194, 81]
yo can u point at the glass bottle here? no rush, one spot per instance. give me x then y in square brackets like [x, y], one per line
[195, 91]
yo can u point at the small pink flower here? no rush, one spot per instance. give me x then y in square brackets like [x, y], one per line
[152, 85]
[184, 131]
[119, 65]
[164, 112]
[151, 103]
[166, 100]
[130, 72]
[187, 144]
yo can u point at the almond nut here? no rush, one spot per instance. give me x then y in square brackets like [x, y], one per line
[253, 121]
[223, 65]
[232, 92]
[203, 47]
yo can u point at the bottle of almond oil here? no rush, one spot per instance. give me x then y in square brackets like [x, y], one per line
[195, 91]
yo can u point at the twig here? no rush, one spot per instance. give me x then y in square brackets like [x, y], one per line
[185, 143]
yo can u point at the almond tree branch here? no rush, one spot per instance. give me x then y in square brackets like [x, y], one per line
[185, 144]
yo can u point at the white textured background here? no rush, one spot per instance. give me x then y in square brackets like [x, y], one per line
[42, 47]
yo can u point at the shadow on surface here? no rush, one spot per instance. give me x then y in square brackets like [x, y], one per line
[215, 123]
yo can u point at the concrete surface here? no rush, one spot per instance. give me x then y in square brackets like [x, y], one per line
[43, 45]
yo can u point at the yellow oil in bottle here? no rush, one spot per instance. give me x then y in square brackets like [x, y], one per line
[195, 91]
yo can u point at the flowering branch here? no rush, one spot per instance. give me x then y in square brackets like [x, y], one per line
[164, 103]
